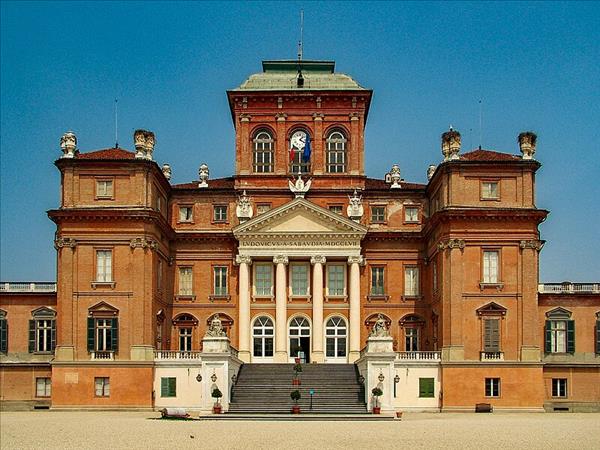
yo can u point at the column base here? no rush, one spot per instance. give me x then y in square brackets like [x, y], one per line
[317, 357]
[530, 354]
[353, 356]
[280, 357]
[244, 356]
[64, 353]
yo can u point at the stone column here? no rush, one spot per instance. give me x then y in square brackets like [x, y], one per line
[280, 308]
[244, 307]
[354, 300]
[317, 312]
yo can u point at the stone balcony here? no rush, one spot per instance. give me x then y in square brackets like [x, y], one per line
[26, 286]
[102, 356]
[491, 356]
[175, 355]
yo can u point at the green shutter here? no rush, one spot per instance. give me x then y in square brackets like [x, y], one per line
[426, 387]
[548, 338]
[491, 335]
[53, 336]
[173, 387]
[31, 336]
[570, 336]
[3, 335]
[597, 336]
[90, 335]
[114, 343]
[164, 387]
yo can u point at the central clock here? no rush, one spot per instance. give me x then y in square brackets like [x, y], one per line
[298, 140]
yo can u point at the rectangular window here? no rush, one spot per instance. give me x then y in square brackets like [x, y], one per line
[103, 335]
[220, 281]
[490, 266]
[185, 281]
[185, 339]
[492, 387]
[377, 214]
[45, 338]
[491, 335]
[411, 281]
[263, 279]
[336, 283]
[186, 213]
[559, 387]
[3, 335]
[377, 281]
[489, 190]
[220, 213]
[104, 189]
[168, 387]
[560, 336]
[338, 209]
[426, 387]
[262, 208]
[43, 387]
[411, 339]
[411, 214]
[104, 265]
[102, 385]
[299, 279]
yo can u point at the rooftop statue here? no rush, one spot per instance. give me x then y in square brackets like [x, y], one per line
[215, 328]
[380, 328]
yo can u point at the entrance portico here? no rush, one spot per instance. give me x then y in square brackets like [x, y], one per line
[296, 234]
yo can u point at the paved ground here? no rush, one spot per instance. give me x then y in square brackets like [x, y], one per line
[135, 430]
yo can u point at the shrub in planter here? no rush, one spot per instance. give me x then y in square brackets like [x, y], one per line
[297, 372]
[377, 392]
[295, 395]
[216, 394]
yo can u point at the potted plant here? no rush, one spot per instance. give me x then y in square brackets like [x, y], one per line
[217, 394]
[295, 395]
[377, 392]
[295, 349]
[399, 415]
[297, 372]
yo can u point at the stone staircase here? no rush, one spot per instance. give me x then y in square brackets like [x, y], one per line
[266, 388]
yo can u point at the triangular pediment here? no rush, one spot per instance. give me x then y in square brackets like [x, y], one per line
[558, 313]
[492, 309]
[103, 309]
[299, 217]
[43, 311]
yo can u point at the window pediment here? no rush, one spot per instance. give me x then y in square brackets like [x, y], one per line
[103, 309]
[43, 312]
[491, 309]
[558, 313]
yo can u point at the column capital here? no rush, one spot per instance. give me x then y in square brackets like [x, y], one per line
[360, 260]
[280, 259]
[243, 259]
[318, 259]
[318, 117]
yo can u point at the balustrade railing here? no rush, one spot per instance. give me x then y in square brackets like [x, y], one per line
[419, 356]
[569, 288]
[102, 356]
[175, 354]
[25, 286]
[492, 356]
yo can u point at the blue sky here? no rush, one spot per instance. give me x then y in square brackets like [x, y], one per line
[535, 65]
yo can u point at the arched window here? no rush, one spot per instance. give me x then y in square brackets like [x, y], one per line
[335, 332]
[263, 152]
[185, 324]
[300, 338]
[412, 326]
[262, 334]
[336, 152]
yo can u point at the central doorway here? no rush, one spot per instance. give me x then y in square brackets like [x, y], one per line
[299, 332]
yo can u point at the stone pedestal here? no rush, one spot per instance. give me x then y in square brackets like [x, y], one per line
[376, 365]
[215, 344]
[141, 353]
[376, 344]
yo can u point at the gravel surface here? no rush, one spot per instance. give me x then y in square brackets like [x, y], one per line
[138, 430]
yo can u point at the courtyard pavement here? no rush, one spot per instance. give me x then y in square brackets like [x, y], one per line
[139, 430]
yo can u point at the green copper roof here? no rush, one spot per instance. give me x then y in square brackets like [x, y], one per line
[282, 76]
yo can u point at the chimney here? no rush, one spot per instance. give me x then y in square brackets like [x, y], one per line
[450, 144]
[527, 142]
[68, 144]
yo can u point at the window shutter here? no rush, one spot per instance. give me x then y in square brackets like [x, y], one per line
[3, 336]
[53, 336]
[90, 334]
[570, 336]
[548, 338]
[164, 387]
[425, 387]
[31, 336]
[114, 344]
[172, 387]
[492, 335]
[597, 336]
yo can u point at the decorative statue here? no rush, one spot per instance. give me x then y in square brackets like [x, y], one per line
[215, 328]
[166, 170]
[380, 328]
[527, 142]
[395, 176]
[451, 144]
[355, 209]
[139, 141]
[430, 171]
[244, 208]
[299, 187]
[68, 144]
[203, 175]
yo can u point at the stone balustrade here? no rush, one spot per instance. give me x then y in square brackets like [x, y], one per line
[26, 286]
[569, 288]
[419, 356]
[175, 354]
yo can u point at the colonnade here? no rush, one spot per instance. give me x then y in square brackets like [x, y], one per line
[281, 288]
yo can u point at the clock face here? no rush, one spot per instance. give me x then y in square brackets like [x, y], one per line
[298, 140]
